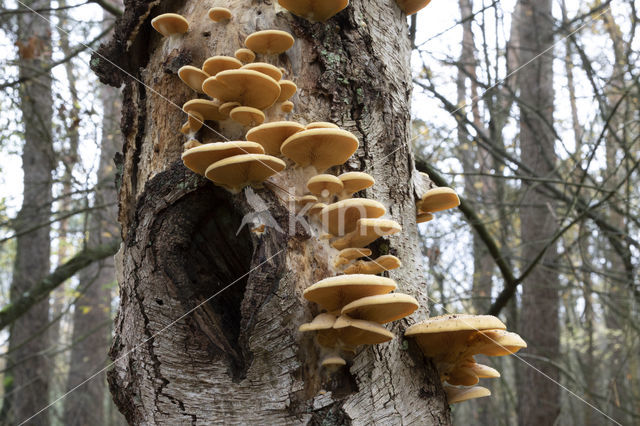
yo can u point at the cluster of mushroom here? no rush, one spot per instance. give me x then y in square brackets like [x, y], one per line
[321, 10]
[436, 200]
[452, 341]
[357, 302]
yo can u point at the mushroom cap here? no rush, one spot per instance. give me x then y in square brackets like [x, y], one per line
[195, 121]
[247, 116]
[287, 90]
[169, 24]
[320, 148]
[314, 10]
[495, 343]
[241, 170]
[198, 159]
[342, 217]
[424, 217]
[347, 255]
[333, 361]
[356, 181]
[217, 14]
[446, 338]
[455, 394]
[286, 107]
[226, 107]
[335, 292]
[321, 125]
[367, 231]
[316, 209]
[439, 199]
[321, 322]
[250, 88]
[245, 55]
[461, 376]
[354, 332]
[484, 371]
[410, 7]
[209, 110]
[318, 184]
[268, 69]
[272, 135]
[382, 308]
[378, 266]
[307, 199]
[216, 64]
[270, 42]
[193, 77]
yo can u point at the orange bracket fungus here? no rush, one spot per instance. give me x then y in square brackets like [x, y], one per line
[247, 116]
[382, 264]
[320, 148]
[236, 172]
[272, 135]
[193, 77]
[219, 14]
[314, 10]
[412, 6]
[269, 42]
[324, 185]
[248, 87]
[170, 24]
[199, 158]
[439, 199]
[245, 55]
[286, 107]
[367, 231]
[287, 90]
[216, 64]
[267, 69]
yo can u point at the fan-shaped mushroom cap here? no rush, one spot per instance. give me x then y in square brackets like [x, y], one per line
[247, 116]
[455, 394]
[287, 89]
[333, 361]
[314, 10]
[495, 343]
[355, 332]
[461, 376]
[484, 371]
[268, 69]
[321, 125]
[307, 199]
[192, 143]
[412, 6]
[193, 77]
[423, 217]
[335, 292]
[347, 255]
[195, 121]
[270, 42]
[356, 181]
[217, 14]
[446, 337]
[378, 266]
[272, 135]
[286, 107]
[169, 24]
[241, 170]
[198, 159]
[342, 217]
[245, 55]
[439, 199]
[250, 88]
[366, 232]
[323, 324]
[382, 308]
[320, 148]
[227, 107]
[209, 110]
[324, 185]
[216, 64]
[316, 209]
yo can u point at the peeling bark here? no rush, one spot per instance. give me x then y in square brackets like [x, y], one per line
[238, 357]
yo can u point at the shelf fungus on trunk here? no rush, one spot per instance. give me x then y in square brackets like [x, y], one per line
[216, 64]
[412, 6]
[170, 24]
[269, 42]
[219, 14]
[272, 135]
[239, 171]
[453, 340]
[320, 148]
[314, 10]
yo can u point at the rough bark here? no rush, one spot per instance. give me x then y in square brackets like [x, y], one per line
[27, 378]
[90, 336]
[538, 397]
[239, 358]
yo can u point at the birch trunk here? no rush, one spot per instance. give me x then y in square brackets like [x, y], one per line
[239, 358]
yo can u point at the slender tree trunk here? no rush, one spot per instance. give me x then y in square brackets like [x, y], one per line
[239, 358]
[91, 323]
[27, 377]
[538, 397]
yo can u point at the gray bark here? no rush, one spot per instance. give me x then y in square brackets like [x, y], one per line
[27, 377]
[538, 397]
[239, 358]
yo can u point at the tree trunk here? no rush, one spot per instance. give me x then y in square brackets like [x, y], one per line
[27, 377]
[239, 358]
[91, 318]
[538, 397]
